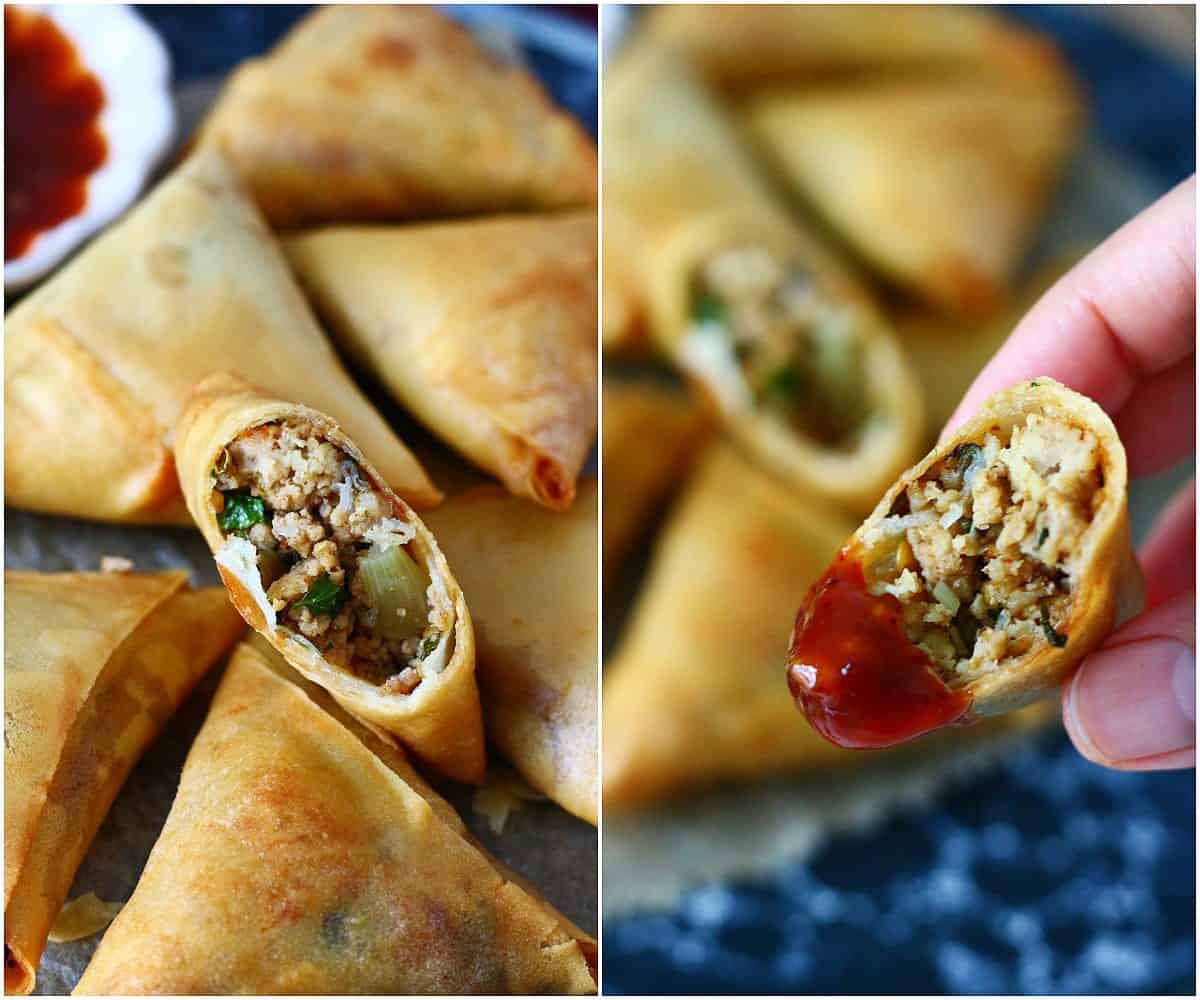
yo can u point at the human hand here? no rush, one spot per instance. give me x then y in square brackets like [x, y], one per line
[1121, 328]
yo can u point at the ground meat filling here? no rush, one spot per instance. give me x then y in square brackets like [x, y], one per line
[797, 354]
[316, 524]
[981, 551]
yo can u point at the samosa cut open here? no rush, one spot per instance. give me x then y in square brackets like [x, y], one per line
[779, 337]
[394, 111]
[99, 360]
[94, 666]
[695, 693]
[530, 574]
[305, 855]
[981, 580]
[334, 569]
[485, 330]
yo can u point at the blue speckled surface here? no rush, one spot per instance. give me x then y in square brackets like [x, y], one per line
[1045, 875]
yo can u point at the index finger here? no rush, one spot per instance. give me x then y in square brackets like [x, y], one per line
[1125, 313]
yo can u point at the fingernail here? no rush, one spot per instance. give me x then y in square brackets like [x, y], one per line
[1135, 700]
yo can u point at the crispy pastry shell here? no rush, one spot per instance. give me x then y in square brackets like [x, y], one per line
[304, 855]
[440, 719]
[486, 330]
[531, 577]
[94, 665]
[393, 111]
[100, 359]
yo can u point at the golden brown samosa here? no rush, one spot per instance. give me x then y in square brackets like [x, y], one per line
[99, 360]
[743, 46]
[696, 691]
[334, 569]
[782, 341]
[393, 111]
[486, 330]
[651, 432]
[984, 576]
[94, 665]
[938, 185]
[303, 855]
[530, 575]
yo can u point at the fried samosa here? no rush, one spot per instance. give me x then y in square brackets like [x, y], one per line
[696, 692]
[783, 342]
[486, 330]
[334, 569]
[650, 435]
[304, 855]
[940, 186]
[744, 46]
[99, 360]
[393, 111]
[94, 665]
[531, 577]
[980, 581]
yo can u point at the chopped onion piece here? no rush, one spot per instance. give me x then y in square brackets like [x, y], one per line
[396, 589]
[946, 597]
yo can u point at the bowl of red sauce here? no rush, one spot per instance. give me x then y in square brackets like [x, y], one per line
[87, 117]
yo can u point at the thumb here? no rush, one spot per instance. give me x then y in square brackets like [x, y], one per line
[1132, 703]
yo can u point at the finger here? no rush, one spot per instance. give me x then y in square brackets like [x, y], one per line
[1168, 556]
[1126, 312]
[1157, 424]
[1132, 705]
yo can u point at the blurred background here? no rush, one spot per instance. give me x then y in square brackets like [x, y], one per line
[994, 861]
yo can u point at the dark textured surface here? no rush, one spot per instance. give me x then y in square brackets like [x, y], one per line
[1047, 874]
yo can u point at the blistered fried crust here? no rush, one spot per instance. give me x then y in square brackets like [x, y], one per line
[393, 111]
[94, 665]
[301, 856]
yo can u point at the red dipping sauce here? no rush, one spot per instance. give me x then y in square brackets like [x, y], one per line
[52, 137]
[853, 671]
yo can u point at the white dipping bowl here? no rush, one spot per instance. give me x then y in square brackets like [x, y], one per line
[131, 64]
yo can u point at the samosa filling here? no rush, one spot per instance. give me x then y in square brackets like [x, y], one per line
[982, 550]
[764, 337]
[336, 566]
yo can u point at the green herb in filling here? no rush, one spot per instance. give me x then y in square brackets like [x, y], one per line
[709, 309]
[784, 383]
[964, 456]
[241, 512]
[324, 597]
[1053, 637]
